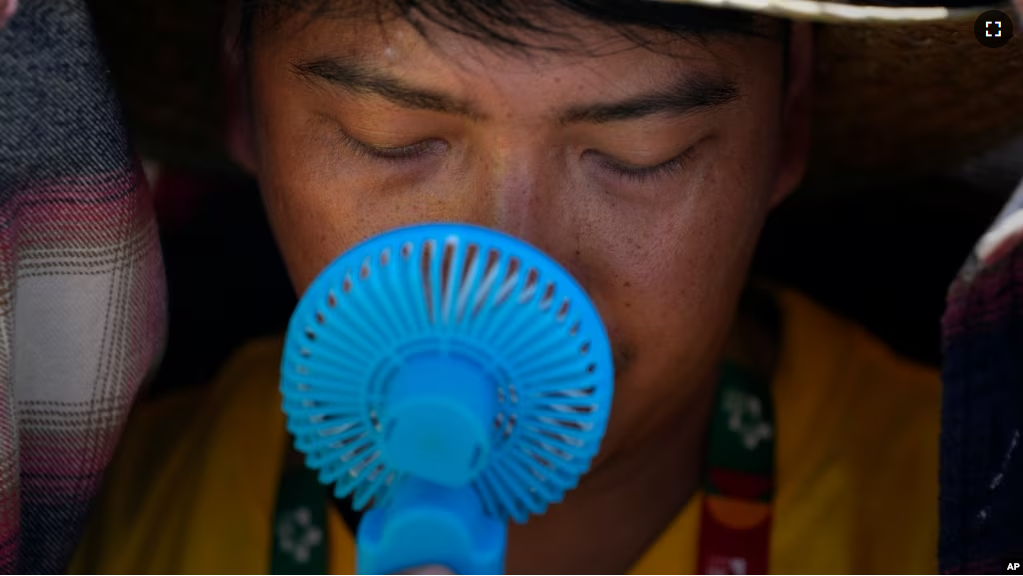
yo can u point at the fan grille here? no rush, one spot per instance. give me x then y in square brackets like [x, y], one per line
[464, 291]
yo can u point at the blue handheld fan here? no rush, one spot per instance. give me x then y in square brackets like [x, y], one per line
[452, 378]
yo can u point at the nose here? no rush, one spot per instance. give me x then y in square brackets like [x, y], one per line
[521, 195]
[521, 186]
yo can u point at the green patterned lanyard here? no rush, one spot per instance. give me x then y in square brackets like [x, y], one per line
[736, 511]
[300, 521]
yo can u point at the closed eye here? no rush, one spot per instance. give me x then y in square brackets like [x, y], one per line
[641, 174]
[395, 153]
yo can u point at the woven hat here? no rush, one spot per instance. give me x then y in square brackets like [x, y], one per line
[900, 89]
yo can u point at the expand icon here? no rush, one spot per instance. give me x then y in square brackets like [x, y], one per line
[993, 28]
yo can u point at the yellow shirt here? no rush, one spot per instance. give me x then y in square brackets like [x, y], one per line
[193, 486]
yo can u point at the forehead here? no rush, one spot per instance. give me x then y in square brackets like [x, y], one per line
[569, 48]
[517, 22]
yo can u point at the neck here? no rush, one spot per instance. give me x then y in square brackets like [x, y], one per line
[618, 510]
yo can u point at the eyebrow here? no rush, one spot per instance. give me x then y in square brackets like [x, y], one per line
[692, 93]
[358, 78]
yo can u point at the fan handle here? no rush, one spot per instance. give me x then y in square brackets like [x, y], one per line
[429, 524]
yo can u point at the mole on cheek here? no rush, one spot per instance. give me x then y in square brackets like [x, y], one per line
[624, 357]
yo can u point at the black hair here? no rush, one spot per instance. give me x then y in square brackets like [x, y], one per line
[507, 23]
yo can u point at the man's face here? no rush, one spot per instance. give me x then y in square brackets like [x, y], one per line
[646, 173]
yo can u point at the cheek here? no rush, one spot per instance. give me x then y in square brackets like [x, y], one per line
[301, 216]
[671, 301]
[313, 226]
[318, 209]
[685, 260]
[669, 291]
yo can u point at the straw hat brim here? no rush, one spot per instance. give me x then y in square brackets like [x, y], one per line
[902, 89]
[912, 97]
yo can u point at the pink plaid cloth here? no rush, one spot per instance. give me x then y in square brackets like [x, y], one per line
[81, 280]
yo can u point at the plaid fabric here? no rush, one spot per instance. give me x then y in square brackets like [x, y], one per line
[982, 421]
[81, 281]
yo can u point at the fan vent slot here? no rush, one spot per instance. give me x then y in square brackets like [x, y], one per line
[446, 280]
[529, 289]
[424, 269]
[490, 273]
[548, 297]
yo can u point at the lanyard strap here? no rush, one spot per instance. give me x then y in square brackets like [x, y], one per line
[738, 483]
[300, 521]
